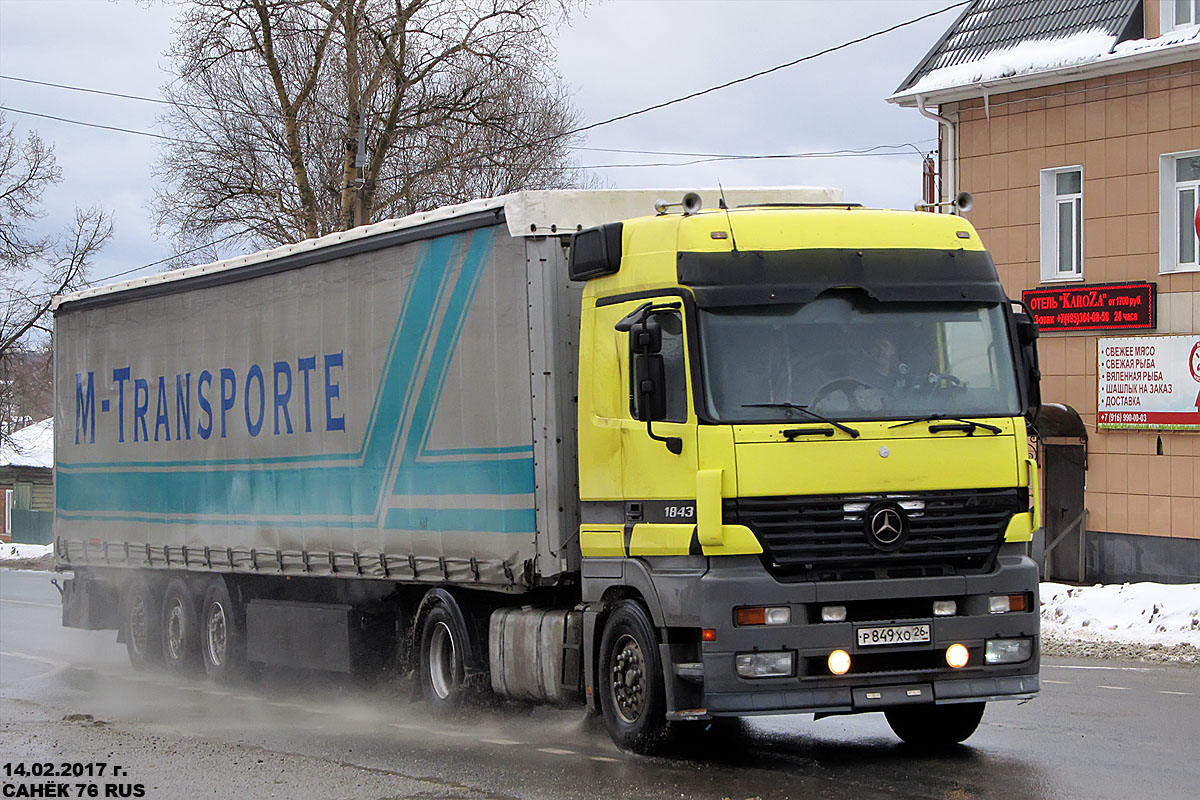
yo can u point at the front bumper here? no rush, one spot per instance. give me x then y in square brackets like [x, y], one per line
[882, 676]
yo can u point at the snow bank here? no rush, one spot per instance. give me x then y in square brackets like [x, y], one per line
[18, 552]
[1138, 613]
[32, 446]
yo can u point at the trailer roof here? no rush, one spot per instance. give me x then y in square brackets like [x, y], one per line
[532, 213]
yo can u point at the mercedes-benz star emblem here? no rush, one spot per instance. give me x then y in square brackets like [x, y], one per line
[885, 526]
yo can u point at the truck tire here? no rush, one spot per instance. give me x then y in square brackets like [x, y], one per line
[441, 671]
[180, 628]
[142, 622]
[935, 726]
[222, 634]
[632, 696]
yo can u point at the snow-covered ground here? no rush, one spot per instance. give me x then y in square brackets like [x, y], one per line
[20, 552]
[1138, 613]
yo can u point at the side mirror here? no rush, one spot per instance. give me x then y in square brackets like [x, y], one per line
[645, 337]
[1027, 334]
[650, 378]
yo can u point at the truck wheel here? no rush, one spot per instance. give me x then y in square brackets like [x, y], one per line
[441, 670]
[222, 635]
[140, 616]
[180, 634]
[632, 696]
[935, 726]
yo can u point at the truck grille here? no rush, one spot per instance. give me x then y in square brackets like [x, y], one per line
[823, 538]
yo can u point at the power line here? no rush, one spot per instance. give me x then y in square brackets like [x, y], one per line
[749, 155]
[705, 158]
[177, 255]
[95, 125]
[580, 129]
[768, 71]
[212, 108]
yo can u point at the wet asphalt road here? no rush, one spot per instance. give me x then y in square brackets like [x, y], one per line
[1097, 730]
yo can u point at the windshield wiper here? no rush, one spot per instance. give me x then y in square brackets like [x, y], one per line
[846, 428]
[967, 425]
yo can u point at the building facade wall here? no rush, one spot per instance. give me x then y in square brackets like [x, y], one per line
[1116, 127]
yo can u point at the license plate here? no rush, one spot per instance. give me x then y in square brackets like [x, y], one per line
[893, 634]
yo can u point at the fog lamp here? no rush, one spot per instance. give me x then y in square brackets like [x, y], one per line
[839, 662]
[1007, 651]
[765, 665]
[957, 655]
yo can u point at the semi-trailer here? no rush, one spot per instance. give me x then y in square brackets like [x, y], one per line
[760, 451]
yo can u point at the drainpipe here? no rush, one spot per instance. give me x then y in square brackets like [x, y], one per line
[950, 142]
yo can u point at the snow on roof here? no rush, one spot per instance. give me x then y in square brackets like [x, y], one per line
[1048, 61]
[530, 213]
[1029, 56]
[32, 446]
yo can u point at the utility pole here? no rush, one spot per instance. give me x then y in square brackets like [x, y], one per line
[360, 165]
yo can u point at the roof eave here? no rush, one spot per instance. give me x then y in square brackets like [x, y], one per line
[1188, 51]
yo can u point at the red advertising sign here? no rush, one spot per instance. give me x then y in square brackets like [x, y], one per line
[1093, 307]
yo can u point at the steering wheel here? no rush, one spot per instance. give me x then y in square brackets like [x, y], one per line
[845, 384]
[944, 380]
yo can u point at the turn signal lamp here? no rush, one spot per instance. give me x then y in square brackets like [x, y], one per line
[957, 655]
[839, 662]
[760, 615]
[708, 635]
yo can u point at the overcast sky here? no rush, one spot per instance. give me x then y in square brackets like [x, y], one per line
[616, 56]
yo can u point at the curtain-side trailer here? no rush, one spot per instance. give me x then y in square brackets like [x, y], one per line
[768, 457]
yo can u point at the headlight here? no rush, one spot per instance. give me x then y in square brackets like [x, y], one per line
[766, 665]
[1007, 651]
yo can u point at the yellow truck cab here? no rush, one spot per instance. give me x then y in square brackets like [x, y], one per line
[804, 469]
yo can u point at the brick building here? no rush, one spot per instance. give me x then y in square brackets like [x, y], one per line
[1076, 127]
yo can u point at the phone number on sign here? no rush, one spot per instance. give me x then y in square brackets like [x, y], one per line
[1121, 416]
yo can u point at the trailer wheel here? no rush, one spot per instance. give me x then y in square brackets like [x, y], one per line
[142, 622]
[441, 670]
[935, 726]
[632, 696]
[222, 634]
[180, 631]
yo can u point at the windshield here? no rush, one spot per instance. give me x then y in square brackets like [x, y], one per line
[848, 357]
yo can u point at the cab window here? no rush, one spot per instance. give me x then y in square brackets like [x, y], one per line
[674, 369]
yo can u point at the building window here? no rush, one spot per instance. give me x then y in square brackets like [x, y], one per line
[1180, 14]
[1179, 192]
[1062, 224]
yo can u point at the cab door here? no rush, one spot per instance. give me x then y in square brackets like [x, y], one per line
[659, 486]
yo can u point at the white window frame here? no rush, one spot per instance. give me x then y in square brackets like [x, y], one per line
[1169, 20]
[8, 501]
[1168, 214]
[1050, 201]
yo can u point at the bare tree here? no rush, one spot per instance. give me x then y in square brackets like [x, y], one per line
[33, 268]
[303, 117]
